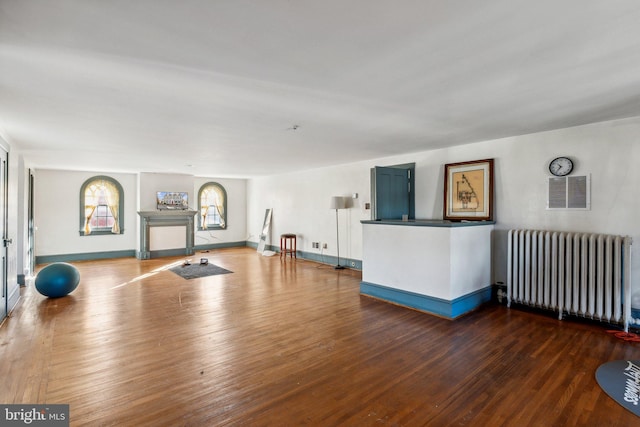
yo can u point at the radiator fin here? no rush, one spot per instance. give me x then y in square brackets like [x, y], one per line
[581, 274]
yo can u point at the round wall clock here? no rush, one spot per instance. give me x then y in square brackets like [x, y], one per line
[561, 166]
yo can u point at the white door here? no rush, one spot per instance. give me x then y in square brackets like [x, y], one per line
[3, 231]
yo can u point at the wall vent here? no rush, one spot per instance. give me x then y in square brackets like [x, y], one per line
[569, 193]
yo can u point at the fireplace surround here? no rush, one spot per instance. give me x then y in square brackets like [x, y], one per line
[165, 218]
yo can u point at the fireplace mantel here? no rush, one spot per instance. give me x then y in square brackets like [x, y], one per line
[165, 218]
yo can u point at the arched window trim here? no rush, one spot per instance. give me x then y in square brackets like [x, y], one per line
[82, 217]
[224, 215]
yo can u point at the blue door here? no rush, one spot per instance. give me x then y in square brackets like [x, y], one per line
[391, 191]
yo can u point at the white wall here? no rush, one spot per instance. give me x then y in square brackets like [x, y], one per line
[300, 203]
[14, 250]
[150, 183]
[439, 262]
[148, 186]
[609, 151]
[58, 231]
[56, 214]
[22, 220]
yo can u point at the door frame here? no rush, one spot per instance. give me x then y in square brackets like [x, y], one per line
[4, 220]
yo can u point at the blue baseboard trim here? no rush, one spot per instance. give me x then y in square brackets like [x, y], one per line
[449, 309]
[89, 256]
[354, 264]
[311, 256]
[169, 252]
[221, 246]
[47, 259]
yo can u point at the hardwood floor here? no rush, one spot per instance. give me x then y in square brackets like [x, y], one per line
[280, 343]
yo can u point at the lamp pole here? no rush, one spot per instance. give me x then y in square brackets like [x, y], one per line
[338, 266]
[337, 202]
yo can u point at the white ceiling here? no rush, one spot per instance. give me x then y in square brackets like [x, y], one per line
[246, 88]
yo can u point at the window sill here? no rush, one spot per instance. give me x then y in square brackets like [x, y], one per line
[101, 233]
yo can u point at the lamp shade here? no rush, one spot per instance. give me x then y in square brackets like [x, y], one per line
[337, 202]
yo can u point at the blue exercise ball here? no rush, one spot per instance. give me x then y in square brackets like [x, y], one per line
[57, 280]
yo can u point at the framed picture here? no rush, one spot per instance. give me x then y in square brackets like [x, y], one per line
[167, 200]
[468, 191]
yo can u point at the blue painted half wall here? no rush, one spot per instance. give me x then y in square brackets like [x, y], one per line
[440, 307]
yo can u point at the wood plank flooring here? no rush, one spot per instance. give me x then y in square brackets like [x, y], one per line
[280, 343]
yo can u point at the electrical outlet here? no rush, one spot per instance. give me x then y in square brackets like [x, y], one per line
[324, 246]
[353, 263]
[315, 245]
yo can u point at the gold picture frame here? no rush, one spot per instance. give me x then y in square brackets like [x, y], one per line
[468, 191]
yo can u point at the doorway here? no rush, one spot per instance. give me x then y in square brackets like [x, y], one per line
[31, 231]
[4, 303]
[392, 191]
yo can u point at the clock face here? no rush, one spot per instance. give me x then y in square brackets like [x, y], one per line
[561, 166]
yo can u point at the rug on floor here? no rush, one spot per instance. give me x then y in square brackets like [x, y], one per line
[620, 379]
[194, 271]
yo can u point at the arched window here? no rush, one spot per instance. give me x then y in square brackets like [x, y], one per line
[212, 206]
[101, 206]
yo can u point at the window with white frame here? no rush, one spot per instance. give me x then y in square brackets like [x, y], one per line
[101, 206]
[212, 206]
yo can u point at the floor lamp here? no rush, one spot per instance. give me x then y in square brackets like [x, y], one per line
[337, 202]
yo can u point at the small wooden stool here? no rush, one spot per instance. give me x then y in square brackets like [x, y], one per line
[288, 245]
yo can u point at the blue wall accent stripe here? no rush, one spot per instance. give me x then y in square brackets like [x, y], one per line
[169, 252]
[221, 245]
[355, 264]
[331, 260]
[471, 301]
[441, 307]
[311, 256]
[46, 259]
